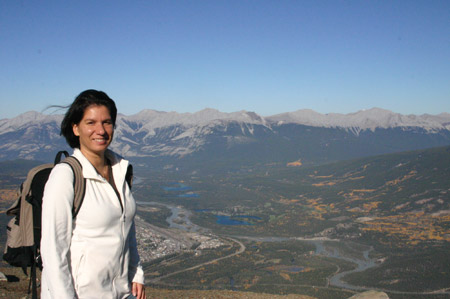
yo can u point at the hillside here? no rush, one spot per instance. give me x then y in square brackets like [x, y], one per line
[17, 287]
[396, 204]
[382, 188]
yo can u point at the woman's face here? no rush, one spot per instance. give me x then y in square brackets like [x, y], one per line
[95, 130]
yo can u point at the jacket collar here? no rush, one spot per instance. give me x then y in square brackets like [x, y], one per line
[119, 166]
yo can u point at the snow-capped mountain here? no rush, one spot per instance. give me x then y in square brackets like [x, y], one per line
[365, 120]
[209, 135]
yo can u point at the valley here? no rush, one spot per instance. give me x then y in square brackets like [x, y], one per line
[326, 231]
[379, 210]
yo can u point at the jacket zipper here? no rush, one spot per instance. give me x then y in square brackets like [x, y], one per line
[113, 185]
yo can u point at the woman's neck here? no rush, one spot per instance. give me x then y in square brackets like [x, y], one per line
[97, 160]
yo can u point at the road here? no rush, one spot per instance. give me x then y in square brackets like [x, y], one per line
[242, 249]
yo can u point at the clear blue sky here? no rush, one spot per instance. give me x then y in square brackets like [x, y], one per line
[263, 56]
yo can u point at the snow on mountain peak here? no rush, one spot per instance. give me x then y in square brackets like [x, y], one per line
[365, 119]
[150, 120]
[152, 133]
[27, 119]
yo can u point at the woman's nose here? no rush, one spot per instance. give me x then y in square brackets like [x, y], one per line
[100, 129]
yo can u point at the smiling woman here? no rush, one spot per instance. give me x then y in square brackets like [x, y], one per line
[93, 254]
[95, 132]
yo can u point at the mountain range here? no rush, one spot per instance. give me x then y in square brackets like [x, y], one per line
[207, 136]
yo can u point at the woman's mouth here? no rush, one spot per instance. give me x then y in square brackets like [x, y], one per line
[100, 140]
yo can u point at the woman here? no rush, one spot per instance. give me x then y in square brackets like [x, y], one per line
[93, 255]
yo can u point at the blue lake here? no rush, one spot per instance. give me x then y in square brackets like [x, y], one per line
[231, 220]
[248, 217]
[177, 187]
[188, 195]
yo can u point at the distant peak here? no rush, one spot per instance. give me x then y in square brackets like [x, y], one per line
[364, 119]
[209, 110]
[374, 110]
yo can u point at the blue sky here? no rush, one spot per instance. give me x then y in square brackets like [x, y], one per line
[263, 56]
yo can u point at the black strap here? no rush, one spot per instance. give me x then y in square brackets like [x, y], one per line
[129, 175]
[33, 280]
[59, 154]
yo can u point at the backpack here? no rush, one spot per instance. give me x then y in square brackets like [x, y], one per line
[24, 229]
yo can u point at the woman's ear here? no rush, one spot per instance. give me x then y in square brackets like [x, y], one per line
[75, 130]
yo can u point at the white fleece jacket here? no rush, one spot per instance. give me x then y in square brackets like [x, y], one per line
[94, 255]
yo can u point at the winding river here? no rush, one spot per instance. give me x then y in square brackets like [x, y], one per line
[180, 219]
[363, 263]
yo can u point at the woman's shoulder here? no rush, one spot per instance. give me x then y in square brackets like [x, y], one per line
[62, 170]
[61, 178]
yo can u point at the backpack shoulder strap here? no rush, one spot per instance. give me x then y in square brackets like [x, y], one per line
[129, 175]
[79, 183]
[59, 155]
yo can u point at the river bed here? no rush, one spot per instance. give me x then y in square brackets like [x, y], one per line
[180, 219]
[329, 250]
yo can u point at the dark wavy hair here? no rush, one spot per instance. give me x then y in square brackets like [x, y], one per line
[76, 110]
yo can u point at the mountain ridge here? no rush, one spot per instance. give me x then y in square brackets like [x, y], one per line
[210, 135]
[364, 119]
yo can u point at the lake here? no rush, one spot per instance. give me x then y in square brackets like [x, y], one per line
[231, 220]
